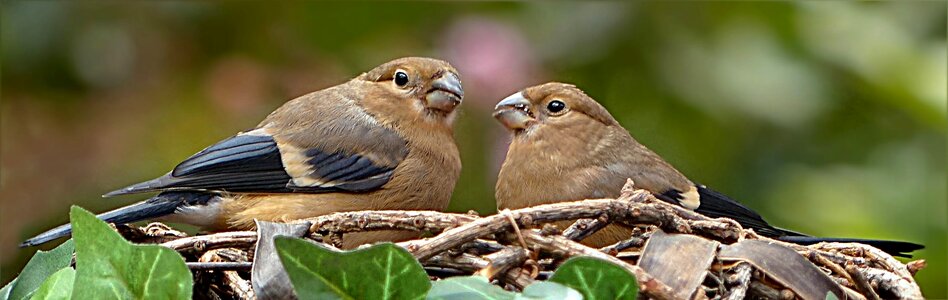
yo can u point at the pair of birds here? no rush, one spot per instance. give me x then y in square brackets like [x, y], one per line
[384, 141]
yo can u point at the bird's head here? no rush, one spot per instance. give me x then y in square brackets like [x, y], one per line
[556, 106]
[429, 88]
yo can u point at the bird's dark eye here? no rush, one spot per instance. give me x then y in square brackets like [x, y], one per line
[401, 78]
[555, 106]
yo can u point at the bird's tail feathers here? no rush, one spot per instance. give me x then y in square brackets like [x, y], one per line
[141, 187]
[895, 248]
[160, 205]
[788, 232]
[717, 205]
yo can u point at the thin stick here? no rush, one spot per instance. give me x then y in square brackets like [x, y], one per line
[213, 241]
[861, 282]
[583, 228]
[513, 223]
[208, 266]
[741, 280]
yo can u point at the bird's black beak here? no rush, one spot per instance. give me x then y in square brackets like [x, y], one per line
[446, 93]
[514, 112]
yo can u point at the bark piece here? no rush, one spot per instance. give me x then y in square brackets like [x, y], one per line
[785, 266]
[270, 280]
[680, 261]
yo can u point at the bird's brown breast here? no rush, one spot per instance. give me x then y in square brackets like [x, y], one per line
[587, 160]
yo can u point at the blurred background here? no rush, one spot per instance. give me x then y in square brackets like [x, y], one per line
[827, 118]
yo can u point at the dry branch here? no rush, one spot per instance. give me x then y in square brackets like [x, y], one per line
[466, 243]
[503, 260]
[585, 227]
[861, 282]
[236, 239]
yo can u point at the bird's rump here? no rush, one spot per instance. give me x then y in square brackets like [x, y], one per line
[717, 205]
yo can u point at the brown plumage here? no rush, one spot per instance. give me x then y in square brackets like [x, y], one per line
[565, 146]
[382, 140]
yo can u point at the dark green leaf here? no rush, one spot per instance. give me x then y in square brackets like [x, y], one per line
[596, 279]
[471, 287]
[58, 286]
[108, 267]
[383, 271]
[42, 265]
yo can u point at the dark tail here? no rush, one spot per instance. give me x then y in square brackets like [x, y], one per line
[142, 187]
[161, 205]
[894, 248]
[717, 205]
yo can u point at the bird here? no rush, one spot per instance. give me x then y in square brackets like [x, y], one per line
[380, 141]
[565, 146]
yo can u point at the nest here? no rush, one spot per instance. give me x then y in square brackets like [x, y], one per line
[674, 253]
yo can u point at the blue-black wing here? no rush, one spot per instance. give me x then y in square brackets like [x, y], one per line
[254, 164]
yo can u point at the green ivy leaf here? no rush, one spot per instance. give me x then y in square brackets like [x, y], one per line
[478, 288]
[470, 287]
[383, 271]
[109, 267]
[58, 286]
[596, 279]
[545, 290]
[41, 265]
[5, 291]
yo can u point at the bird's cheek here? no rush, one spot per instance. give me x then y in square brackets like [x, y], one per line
[514, 119]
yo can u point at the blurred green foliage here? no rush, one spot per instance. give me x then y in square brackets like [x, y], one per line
[828, 118]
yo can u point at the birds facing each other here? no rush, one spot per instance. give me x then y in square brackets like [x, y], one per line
[582, 152]
[383, 140]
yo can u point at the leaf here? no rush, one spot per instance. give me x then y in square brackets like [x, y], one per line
[546, 290]
[470, 287]
[477, 287]
[596, 279]
[108, 267]
[57, 286]
[831, 296]
[5, 291]
[42, 265]
[383, 271]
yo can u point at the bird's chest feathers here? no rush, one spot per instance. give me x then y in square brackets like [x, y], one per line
[548, 177]
[426, 178]
[549, 168]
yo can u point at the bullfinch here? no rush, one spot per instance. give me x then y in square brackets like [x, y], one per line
[381, 141]
[566, 146]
